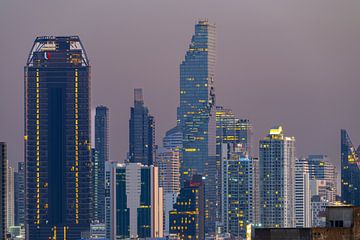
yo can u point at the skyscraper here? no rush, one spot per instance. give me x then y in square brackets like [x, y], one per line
[187, 220]
[101, 155]
[350, 171]
[57, 139]
[136, 202]
[277, 166]
[141, 132]
[196, 114]
[19, 185]
[168, 162]
[237, 190]
[3, 190]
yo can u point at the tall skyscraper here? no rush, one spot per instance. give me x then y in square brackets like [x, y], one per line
[302, 194]
[57, 139]
[350, 171]
[141, 132]
[196, 114]
[237, 190]
[19, 185]
[187, 220]
[277, 166]
[100, 156]
[10, 198]
[136, 202]
[3, 189]
[168, 162]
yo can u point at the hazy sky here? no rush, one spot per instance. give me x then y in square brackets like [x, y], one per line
[295, 63]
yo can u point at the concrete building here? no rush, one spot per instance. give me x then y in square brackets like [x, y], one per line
[302, 194]
[168, 162]
[3, 189]
[342, 223]
[136, 202]
[10, 198]
[277, 169]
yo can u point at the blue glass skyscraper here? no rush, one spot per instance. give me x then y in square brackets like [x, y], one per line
[350, 171]
[196, 114]
[141, 132]
[100, 156]
[57, 139]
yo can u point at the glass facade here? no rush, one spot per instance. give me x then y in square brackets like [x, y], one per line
[196, 114]
[19, 185]
[57, 139]
[350, 171]
[237, 193]
[141, 132]
[101, 156]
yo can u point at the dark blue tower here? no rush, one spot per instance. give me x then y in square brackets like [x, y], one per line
[350, 171]
[57, 139]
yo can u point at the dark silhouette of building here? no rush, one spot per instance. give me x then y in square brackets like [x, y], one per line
[3, 190]
[350, 171]
[141, 132]
[57, 139]
[187, 220]
[100, 156]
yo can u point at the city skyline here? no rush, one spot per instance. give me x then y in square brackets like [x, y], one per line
[315, 100]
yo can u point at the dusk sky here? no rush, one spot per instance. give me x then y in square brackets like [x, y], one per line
[294, 63]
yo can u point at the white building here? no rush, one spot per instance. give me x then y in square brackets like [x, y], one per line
[136, 202]
[277, 169]
[168, 162]
[10, 197]
[302, 194]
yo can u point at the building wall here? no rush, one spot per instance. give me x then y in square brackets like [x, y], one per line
[3, 189]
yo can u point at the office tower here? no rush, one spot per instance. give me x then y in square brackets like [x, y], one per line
[136, 202]
[173, 139]
[141, 132]
[350, 171]
[19, 186]
[100, 156]
[187, 220]
[277, 165]
[196, 114]
[320, 168]
[237, 190]
[10, 197]
[168, 162]
[3, 189]
[57, 139]
[302, 194]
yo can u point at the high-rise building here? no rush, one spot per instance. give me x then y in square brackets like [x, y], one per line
[187, 219]
[277, 166]
[237, 190]
[57, 139]
[196, 114]
[109, 165]
[320, 168]
[168, 162]
[19, 186]
[3, 189]
[10, 198]
[100, 156]
[136, 202]
[350, 171]
[302, 194]
[141, 132]
[173, 139]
